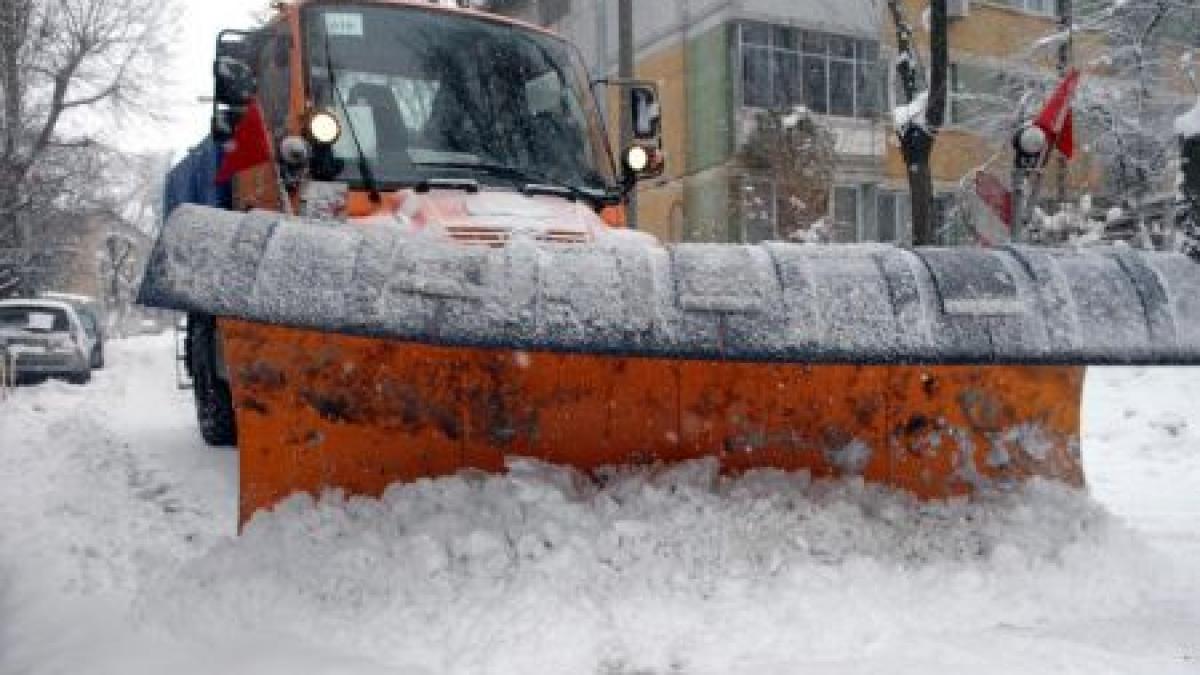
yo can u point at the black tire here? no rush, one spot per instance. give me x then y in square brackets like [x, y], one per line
[214, 400]
[97, 358]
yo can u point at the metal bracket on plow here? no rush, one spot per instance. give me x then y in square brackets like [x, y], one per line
[791, 303]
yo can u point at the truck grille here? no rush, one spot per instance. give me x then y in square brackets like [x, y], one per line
[564, 237]
[480, 236]
[497, 237]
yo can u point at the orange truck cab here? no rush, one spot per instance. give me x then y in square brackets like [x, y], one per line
[371, 107]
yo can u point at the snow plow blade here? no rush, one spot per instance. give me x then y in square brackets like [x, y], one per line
[785, 303]
[360, 357]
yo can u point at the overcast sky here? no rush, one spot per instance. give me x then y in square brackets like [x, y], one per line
[190, 75]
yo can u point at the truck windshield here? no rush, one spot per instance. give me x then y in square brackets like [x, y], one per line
[433, 94]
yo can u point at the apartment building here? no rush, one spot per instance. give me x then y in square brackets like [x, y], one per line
[722, 63]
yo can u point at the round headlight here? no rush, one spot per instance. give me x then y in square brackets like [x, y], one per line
[1032, 140]
[324, 128]
[637, 159]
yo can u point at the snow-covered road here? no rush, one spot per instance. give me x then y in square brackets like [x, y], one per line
[117, 555]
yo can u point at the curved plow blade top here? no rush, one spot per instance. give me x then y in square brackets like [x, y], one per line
[788, 303]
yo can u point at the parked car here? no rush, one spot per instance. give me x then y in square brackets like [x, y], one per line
[47, 339]
[90, 313]
[91, 326]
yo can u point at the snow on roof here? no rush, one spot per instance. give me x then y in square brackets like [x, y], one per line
[37, 303]
[68, 297]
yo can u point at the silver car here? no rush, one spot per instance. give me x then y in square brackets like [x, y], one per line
[45, 338]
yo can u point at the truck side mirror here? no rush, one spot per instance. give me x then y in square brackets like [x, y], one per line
[646, 111]
[233, 81]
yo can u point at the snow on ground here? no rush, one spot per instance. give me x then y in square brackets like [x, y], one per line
[117, 555]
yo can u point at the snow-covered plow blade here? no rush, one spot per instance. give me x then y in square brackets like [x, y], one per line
[360, 356]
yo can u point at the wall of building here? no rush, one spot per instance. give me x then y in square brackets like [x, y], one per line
[691, 48]
[857, 18]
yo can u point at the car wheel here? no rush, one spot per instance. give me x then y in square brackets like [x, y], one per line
[214, 400]
[97, 358]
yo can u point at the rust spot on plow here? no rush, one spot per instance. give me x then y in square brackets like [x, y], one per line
[262, 375]
[333, 407]
[254, 405]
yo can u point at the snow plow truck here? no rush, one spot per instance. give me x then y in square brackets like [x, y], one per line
[415, 263]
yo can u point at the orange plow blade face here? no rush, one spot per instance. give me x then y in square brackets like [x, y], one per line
[318, 411]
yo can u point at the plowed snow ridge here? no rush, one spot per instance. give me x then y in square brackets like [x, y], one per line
[117, 556]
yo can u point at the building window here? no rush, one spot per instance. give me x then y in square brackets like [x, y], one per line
[1043, 7]
[829, 74]
[978, 92]
[551, 12]
[968, 84]
[893, 214]
[845, 214]
[758, 210]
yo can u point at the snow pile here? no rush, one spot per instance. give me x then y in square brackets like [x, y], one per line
[118, 557]
[912, 113]
[1143, 455]
[98, 492]
[656, 571]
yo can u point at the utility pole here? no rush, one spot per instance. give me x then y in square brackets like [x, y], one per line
[1066, 57]
[625, 49]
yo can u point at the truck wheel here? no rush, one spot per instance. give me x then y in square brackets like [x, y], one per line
[214, 400]
[82, 377]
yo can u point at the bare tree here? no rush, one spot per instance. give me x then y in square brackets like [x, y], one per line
[919, 121]
[61, 61]
[1124, 108]
[799, 153]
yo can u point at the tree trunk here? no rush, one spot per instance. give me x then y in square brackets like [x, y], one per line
[1189, 150]
[917, 147]
[916, 141]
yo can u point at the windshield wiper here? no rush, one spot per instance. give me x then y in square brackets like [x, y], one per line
[364, 166]
[465, 184]
[531, 183]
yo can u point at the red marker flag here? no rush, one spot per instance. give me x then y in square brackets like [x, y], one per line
[1056, 119]
[249, 147]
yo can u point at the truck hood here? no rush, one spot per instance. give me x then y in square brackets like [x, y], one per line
[495, 217]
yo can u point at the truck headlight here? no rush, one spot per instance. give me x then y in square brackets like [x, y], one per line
[324, 128]
[637, 159]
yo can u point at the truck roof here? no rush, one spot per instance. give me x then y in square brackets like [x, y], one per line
[436, 6]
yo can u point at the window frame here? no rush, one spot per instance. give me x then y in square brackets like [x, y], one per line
[901, 215]
[744, 181]
[1023, 6]
[854, 227]
[807, 47]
